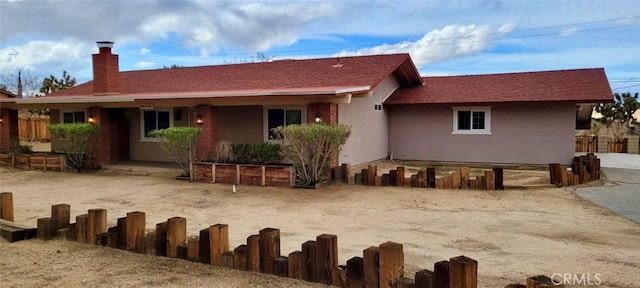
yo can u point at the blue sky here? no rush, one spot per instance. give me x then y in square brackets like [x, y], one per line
[443, 37]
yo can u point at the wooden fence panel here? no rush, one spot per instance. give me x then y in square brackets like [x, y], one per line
[619, 146]
[586, 144]
[33, 127]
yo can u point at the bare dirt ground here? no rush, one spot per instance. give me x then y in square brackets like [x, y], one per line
[513, 234]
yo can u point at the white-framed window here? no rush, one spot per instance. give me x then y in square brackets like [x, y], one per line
[282, 116]
[154, 120]
[72, 117]
[472, 120]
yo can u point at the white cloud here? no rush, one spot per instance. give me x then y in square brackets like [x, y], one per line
[568, 31]
[145, 64]
[202, 32]
[160, 25]
[36, 54]
[211, 26]
[506, 28]
[441, 44]
[206, 26]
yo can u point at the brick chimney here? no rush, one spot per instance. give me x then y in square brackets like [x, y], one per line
[106, 77]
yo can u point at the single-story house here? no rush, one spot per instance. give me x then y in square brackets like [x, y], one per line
[392, 110]
[6, 130]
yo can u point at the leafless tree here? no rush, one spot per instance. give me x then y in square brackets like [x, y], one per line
[31, 82]
[259, 57]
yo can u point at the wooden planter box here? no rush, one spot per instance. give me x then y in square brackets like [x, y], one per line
[244, 174]
[33, 161]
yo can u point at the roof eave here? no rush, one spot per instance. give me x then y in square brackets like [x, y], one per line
[578, 101]
[328, 91]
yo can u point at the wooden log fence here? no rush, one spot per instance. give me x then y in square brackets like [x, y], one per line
[425, 178]
[584, 169]
[380, 266]
[6, 206]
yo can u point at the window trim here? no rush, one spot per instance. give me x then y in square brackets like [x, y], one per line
[73, 112]
[143, 138]
[265, 118]
[487, 120]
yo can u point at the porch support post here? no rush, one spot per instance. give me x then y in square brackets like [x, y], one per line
[328, 112]
[203, 117]
[8, 127]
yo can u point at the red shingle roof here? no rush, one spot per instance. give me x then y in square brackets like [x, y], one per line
[283, 75]
[580, 86]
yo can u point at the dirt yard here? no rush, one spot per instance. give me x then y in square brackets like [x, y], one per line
[513, 234]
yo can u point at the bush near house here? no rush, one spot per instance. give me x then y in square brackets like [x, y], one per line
[311, 148]
[246, 153]
[16, 148]
[77, 141]
[256, 153]
[223, 153]
[180, 142]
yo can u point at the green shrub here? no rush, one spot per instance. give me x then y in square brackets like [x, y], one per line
[241, 152]
[311, 148]
[223, 152]
[268, 153]
[180, 142]
[256, 153]
[77, 141]
[16, 148]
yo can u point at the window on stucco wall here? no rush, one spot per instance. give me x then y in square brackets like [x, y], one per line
[472, 120]
[154, 120]
[73, 117]
[282, 116]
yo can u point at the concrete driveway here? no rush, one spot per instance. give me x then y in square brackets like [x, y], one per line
[621, 190]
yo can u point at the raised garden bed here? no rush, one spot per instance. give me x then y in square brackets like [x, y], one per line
[243, 174]
[45, 162]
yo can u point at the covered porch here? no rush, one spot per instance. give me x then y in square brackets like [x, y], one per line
[126, 121]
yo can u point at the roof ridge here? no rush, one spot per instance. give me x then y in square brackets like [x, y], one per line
[273, 61]
[514, 73]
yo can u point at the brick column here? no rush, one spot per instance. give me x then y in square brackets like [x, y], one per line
[206, 142]
[328, 112]
[328, 115]
[103, 139]
[8, 127]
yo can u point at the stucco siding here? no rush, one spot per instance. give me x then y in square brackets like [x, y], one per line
[369, 127]
[240, 124]
[140, 150]
[520, 133]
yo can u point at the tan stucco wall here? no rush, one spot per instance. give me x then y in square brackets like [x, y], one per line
[524, 133]
[369, 133]
[240, 124]
[149, 151]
